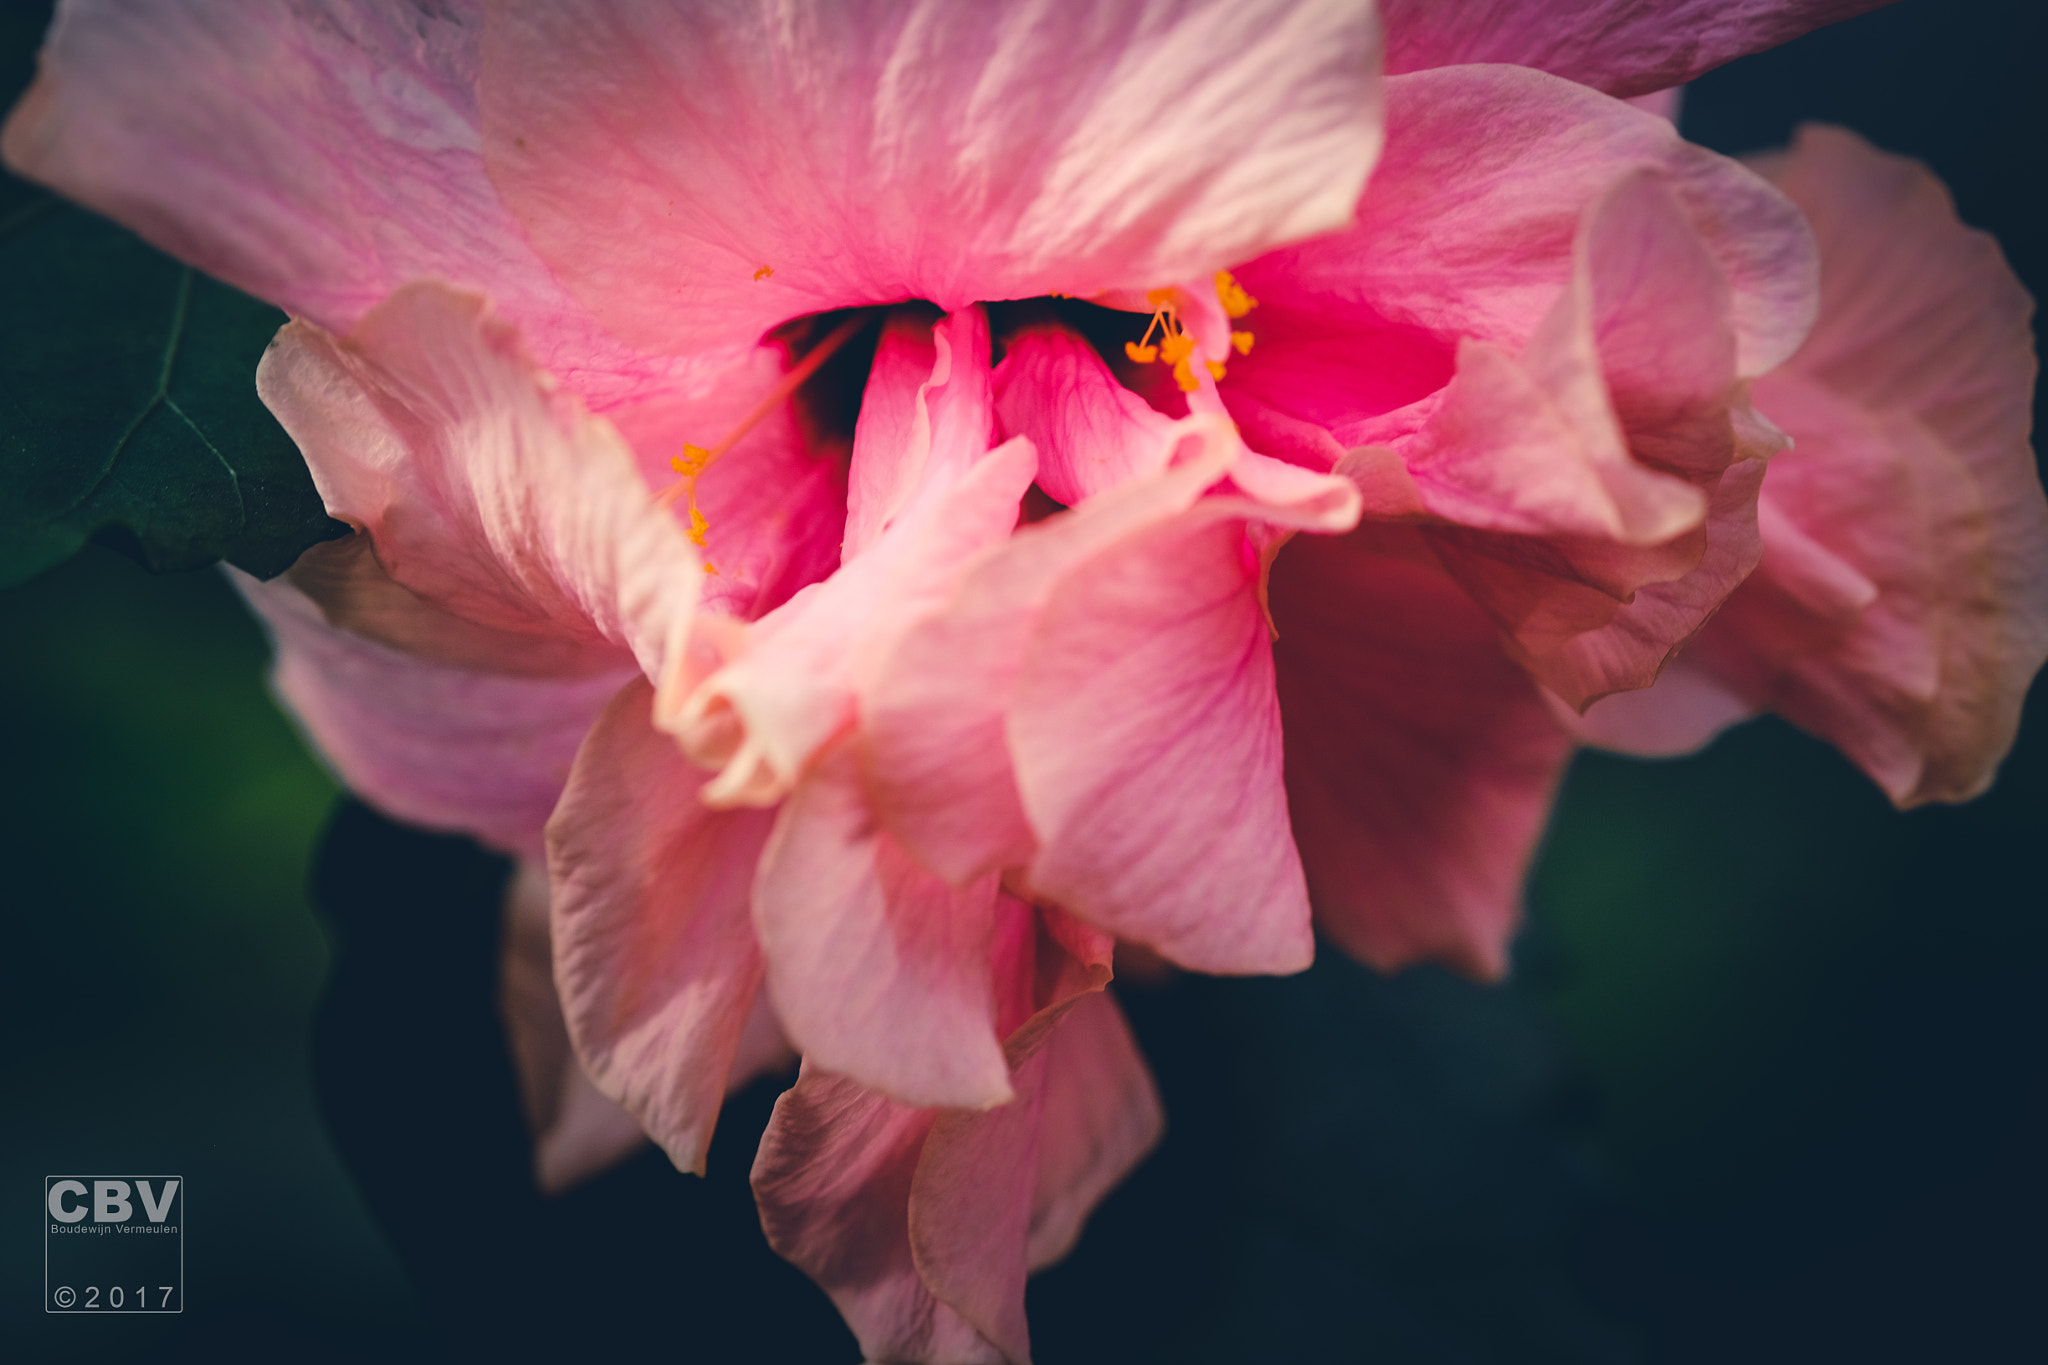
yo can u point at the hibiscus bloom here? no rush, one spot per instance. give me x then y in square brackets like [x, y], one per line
[1286, 571]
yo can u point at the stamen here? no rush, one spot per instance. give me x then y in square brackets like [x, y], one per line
[1243, 342]
[695, 459]
[764, 272]
[1232, 296]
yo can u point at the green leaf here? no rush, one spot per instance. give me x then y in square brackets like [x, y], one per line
[128, 408]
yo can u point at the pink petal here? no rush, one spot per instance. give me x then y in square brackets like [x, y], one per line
[1467, 230]
[1147, 749]
[932, 711]
[483, 490]
[871, 152]
[926, 416]
[1902, 606]
[1098, 1118]
[1684, 710]
[999, 1194]
[788, 684]
[1421, 762]
[878, 969]
[653, 947]
[1604, 483]
[1621, 46]
[577, 1132]
[479, 753]
[1091, 432]
[774, 505]
[922, 1226]
[317, 156]
[832, 1180]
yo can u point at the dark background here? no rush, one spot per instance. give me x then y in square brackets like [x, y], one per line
[1767, 1085]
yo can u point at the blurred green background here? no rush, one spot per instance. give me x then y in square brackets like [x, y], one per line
[1802, 1033]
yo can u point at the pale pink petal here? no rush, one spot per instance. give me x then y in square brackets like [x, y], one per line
[1099, 1117]
[576, 1131]
[832, 1180]
[1000, 1194]
[318, 154]
[1665, 104]
[483, 754]
[1901, 606]
[932, 711]
[1147, 748]
[654, 949]
[1624, 47]
[786, 685]
[663, 159]
[1421, 761]
[1467, 231]
[482, 488]
[1604, 483]
[1091, 432]
[1686, 708]
[922, 1226]
[878, 969]
[927, 415]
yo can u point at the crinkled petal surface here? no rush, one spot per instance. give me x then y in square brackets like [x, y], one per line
[1624, 47]
[316, 153]
[654, 952]
[1901, 609]
[664, 158]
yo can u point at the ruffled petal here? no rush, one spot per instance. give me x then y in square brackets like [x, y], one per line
[483, 490]
[654, 950]
[698, 175]
[319, 154]
[1603, 484]
[787, 685]
[1901, 609]
[1621, 46]
[879, 970]
[922, 1225]
[480, 753]
[1091, 432]
[1467, 231]
[1421, 761]
[1147, 748]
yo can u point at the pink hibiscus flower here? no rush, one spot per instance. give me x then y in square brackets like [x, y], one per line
[1296, 592]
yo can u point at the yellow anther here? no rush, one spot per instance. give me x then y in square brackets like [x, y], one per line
[1232, 296]
[698, 526]
[764, 272]
[1175, 348]
[1215, 369]
[1144, 355]
[1243, 342]
[1184, 375]
[691, 462]
[1159, 298]
[709, 567]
